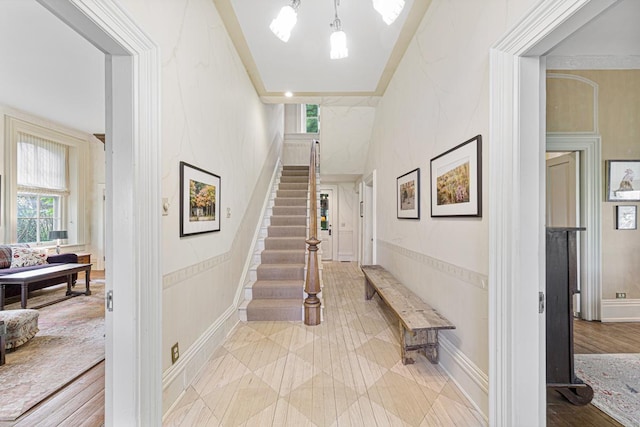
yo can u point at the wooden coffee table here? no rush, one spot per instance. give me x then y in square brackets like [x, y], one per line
[24, 278]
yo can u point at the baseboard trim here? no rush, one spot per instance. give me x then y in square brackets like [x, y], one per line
[470, 379]
[620, 310]
[180, 376]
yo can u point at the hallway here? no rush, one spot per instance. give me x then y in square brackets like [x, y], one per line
[346, 372]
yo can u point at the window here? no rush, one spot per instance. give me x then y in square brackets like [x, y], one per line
[46, 182]
[42, 187]
[312, 116]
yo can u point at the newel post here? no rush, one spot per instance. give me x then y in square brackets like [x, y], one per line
[312, 283]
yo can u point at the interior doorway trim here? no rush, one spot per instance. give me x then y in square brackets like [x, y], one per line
[133, 377]
[589, 147]
[517, 390]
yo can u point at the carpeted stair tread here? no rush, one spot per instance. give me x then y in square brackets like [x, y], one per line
[289, 220]
[289, 210]
[282, 256]
[275, 309]
[287, 231]
[278, 289]
[294, 178]
[294, 186]
[290, 201]
[292, 193]
[285, 243]
[280, 272]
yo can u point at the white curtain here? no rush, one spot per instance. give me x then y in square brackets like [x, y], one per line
[42, 165]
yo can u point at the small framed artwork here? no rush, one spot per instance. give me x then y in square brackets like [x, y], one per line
[456, 181]
[199, 201]
[623, 180]
[626, 217]
[408, 195]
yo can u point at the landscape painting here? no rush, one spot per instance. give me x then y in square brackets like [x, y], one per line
[408, 195]
[199, 200]
[456, 180]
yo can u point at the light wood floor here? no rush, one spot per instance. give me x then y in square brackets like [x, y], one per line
[84, 398]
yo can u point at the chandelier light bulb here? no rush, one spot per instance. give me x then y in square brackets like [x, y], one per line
[389, 9]
[338, 45]
[282, 25]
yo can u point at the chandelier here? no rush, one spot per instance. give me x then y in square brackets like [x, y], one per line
[282, 25]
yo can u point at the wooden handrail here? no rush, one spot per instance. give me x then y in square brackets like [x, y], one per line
[312, 282]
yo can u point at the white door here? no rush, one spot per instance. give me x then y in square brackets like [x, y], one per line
[367, 235]
[327, 209]
[563, 202]
[562, 191]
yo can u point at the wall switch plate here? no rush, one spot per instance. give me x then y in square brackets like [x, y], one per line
[165, 206]
[175, 353]
[620, 295]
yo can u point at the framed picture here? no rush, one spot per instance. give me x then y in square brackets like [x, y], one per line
[623, 180]
[456, 181]
[199, 201]
[408, 195]
[626, 218]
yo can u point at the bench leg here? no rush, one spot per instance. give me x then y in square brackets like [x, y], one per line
[424, 340]
[369, 291]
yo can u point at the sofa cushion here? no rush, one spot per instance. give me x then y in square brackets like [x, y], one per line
[5, 256]
[25, 257]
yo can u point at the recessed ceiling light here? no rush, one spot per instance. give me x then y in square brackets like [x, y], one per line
[288, 94]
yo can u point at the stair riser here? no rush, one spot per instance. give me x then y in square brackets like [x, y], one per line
[300, 194]
[293, 186]
[277, 293]
[295, 231]
[280, 273]
[298, 179]
[293, 243]
[290, 201]
[294, 172]
[299, 220]
[268, 257]
[288, 314]
[289, 210]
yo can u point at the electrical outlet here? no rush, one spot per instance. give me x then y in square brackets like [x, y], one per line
[175, 353]
[621, 295]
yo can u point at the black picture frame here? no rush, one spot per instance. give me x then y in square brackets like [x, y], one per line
[200, 211]
[626, 217]
[623, 180]
[456, 181]
[408, 195]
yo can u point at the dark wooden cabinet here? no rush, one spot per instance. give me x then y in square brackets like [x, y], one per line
[561, 285]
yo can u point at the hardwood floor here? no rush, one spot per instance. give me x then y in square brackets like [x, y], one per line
[592, 338]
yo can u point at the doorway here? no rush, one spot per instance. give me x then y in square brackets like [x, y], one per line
[328, 214]
[517, 373]
[133, 391]
[368, 239]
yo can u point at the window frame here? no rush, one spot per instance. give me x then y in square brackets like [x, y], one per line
[73, 205]
[305, 117]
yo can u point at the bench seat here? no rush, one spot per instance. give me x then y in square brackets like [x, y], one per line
[419, 322]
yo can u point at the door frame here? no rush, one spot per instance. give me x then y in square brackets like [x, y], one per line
[517, 371]
[589, 147]
[369, 217]
[133, 373]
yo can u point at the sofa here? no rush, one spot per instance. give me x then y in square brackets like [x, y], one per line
[9, 253]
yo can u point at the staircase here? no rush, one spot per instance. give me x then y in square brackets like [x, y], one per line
[277, 293]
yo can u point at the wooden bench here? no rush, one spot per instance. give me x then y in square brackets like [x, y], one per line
[419, 323]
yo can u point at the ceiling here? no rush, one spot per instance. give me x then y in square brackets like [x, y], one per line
[50, 71]
[302, 65]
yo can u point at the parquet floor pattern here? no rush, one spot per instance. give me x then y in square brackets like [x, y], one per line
[344, 372]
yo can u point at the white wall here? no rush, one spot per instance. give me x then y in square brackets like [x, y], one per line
[437, 99]
[348, 215]
[211, 118]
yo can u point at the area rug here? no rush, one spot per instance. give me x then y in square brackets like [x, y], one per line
[70, 342]
[615, 379]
